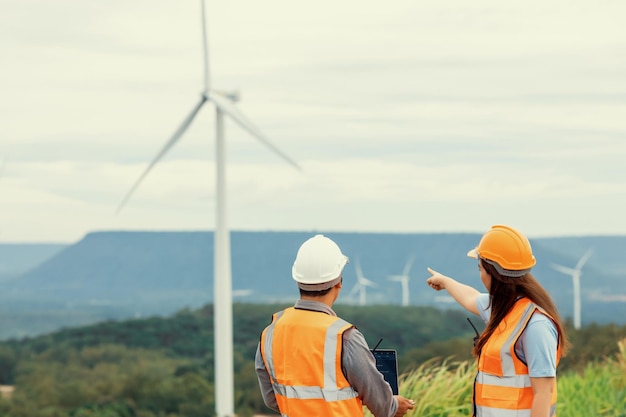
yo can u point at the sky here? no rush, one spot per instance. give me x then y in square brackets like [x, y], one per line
[405, 116]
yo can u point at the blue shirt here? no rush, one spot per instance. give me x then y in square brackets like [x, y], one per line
[537, 345]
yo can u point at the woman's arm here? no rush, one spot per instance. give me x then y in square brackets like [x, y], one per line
[463, 294]
[542, 396]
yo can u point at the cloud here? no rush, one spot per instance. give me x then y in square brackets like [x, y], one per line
[428, 116]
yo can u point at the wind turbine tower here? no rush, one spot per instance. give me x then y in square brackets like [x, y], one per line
[361, 284]
[403, 279]
[575, 272]
[222, 286]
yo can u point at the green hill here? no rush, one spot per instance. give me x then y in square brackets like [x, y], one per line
[163, 367]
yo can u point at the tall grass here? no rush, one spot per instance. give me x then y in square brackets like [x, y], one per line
[599, 390]
[445, 390]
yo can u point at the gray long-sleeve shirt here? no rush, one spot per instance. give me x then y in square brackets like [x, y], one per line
[358, 365]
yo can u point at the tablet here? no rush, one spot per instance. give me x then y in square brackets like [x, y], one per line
[387, 364]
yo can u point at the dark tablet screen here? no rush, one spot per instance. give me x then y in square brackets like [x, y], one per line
[387, 364]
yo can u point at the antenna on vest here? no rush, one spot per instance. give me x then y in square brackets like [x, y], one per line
[377, 344]
[475, 330]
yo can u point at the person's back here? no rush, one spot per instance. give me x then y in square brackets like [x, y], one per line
[310, 362]
[304, 349]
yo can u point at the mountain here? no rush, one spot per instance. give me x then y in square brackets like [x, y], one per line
[116, 275]
[16, 259]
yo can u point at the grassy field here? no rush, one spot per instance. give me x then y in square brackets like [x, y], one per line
[446, 390]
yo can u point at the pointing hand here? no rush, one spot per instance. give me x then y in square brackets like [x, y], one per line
[436, 280]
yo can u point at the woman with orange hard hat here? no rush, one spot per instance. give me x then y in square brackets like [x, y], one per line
[524, 339]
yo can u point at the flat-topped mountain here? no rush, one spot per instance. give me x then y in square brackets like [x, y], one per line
[110, 275]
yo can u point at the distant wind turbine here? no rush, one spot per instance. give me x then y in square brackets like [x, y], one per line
[361, 284]
[222, 293]
[242, 293]
[576, 272]
[403, 279]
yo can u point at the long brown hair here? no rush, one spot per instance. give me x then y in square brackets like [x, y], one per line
[505, 291]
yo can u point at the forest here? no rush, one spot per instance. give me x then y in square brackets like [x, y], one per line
[163, 367]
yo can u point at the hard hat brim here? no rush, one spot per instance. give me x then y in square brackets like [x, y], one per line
[473, 254]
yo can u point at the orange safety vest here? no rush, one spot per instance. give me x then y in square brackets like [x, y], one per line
[502, 386]
[301, 350]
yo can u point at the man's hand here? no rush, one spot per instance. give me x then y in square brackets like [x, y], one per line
[404, 405]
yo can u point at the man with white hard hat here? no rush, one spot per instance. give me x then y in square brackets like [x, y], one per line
[310, 362]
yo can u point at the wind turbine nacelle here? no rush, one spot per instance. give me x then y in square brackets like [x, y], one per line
[398, 278]
[233, 96]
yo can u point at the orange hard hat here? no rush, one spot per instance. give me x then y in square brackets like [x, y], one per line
[507, 248]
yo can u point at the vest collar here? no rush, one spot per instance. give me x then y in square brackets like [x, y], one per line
[314, 306]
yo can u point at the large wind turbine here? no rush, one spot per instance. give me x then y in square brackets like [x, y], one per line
[403, 279]
[576, 272]
[361, 284]
[222, 293]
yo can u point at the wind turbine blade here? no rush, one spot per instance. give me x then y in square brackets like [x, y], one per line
[397, 278]
[227, 107]
[563, 269]
[582, 260]
[175, 137]
[359, 271]
[205, 49]
[354, 290]
[408, 265]
[366, 282]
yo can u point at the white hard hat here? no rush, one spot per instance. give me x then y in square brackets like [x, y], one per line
[319, 260]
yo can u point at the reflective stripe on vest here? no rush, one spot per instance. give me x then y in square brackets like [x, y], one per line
[329, 390]
[499, 412]
[502, 386]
